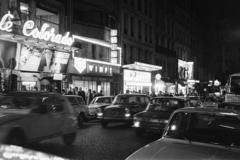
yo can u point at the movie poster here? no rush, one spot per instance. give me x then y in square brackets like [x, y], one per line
[185, 70]
[33, 58]
[7, 51]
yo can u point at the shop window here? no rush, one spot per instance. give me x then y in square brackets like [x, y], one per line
[43, 16]
[28, 86]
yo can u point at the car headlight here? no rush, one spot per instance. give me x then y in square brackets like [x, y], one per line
[99, 114]
[136, 124]
[127, 115]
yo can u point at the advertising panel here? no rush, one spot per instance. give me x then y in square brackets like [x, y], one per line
[7, 51]
[185, 70]
[33, 58]
[137, 76]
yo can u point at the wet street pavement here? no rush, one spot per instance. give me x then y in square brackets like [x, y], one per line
[93, 142]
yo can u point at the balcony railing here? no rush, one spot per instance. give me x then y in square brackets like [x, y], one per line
[165, 51]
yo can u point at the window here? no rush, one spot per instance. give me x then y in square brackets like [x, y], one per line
[139, 29]
[146, 6]
[146, 32]
[150, 34]
[139, 5]
[24, 12]
[72, 100]
[132, 26]
[146, 56]
[51, 18]
[139, 54]
[150, 57]
[131, 54]
[80, 100]
[132, 3]
[125, 53]
[125, 23]
[150, 9]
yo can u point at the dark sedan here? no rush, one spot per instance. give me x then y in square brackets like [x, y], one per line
[123, 108]
[156, 116]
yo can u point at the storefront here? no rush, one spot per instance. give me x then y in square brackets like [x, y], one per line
[165, 85]
[137, 77]
[33, 58]
[94, 75]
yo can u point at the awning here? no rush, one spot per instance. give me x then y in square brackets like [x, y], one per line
[142, 67]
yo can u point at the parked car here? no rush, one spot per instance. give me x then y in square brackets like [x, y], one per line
[196, 133]
[230, 105]
[34, 116]
[123, 108]
[211, 101]
[20, 153]
[194, 101]
[99, 102]
[81, 110]
[155, 117]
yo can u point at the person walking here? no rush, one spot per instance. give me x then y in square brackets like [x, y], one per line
[89, 96]
[70, 91]
[81, 93]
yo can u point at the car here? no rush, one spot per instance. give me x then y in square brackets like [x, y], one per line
[211, 101]
[196, 133]
[81, 109]
[230, 105]
[155, 117]
[194, 101]
[33, 116]
[21, 153]
[123, 108]
[99, 102]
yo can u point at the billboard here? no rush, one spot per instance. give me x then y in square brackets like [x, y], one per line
[33, 58]
[185, 70]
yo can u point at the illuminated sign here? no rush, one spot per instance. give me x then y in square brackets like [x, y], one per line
[136, 76]
[44, 33]
[99, 68]
[158, 76]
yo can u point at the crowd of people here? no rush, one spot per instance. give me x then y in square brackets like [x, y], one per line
[87, 97]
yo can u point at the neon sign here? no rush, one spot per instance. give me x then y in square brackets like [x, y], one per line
[29, 30]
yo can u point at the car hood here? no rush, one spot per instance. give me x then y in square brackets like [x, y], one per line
[98, 105]
[166, 149]
[12, 114]
[162, 115]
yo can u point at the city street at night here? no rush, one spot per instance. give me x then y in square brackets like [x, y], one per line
[93, 142]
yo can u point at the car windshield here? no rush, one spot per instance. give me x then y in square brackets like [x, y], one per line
[18, 103]
[102, 100]
[211, 99]
[220, 129]
[159, 104]
[128, 100]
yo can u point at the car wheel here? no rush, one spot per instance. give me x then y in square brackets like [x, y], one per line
[104, 123]
[16, 138]
[69, 138]
[139, 132]
[80, 120]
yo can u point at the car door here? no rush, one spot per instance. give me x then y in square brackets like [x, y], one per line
[81, 104]
[38, 123]
[75, 105]
[55, 115]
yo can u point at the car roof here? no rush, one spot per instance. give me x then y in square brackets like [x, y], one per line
[235, 75]
[132, 94]
[231, 103]
[166, 97]
[212, 111]
[71, 96]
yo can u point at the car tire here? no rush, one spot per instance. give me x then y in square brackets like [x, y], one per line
[16, 138]
[69, 138]
[80, 120]
[104, 123]
[139, 132]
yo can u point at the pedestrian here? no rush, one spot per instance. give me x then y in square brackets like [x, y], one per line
[153, 94]
[63, 92]
[94, 94]
[76, 91]
[101, 93]
[89, 96]
[70, 91]
[81, 93]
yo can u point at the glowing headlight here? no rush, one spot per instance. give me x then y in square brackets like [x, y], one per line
[100, 114]
[136, 124]
[127, 115]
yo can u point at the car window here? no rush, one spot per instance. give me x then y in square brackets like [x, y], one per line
[80, 100]
[72, 100]
[18, 103]
[58, 107]
[53, 104]
[174, 125]
[159, 104]
[103, 100]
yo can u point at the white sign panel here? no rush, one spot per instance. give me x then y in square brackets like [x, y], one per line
[57, 76]
[137, 76]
